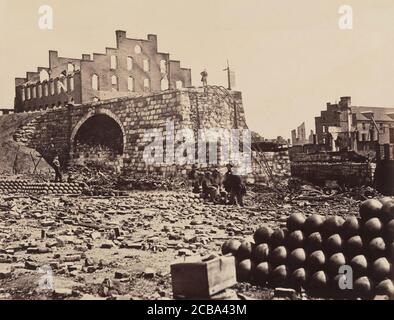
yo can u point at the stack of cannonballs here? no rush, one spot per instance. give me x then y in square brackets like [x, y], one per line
[309, 253]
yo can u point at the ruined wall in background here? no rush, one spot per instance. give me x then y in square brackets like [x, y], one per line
[320, 168]
[278, 162]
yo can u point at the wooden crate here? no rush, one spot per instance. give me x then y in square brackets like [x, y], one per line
[200, 279]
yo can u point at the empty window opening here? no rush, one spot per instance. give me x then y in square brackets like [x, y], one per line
[52, 86]
[146, 84]
[39, 90]
[23, 96]
[146, 65]
[130, 84]
[164, 84]
[71, 86]
[137, 49]
[33, 92]
[44, 75]
[45, 89]
[179, 84]
[114, 82]
[114, 62]
[129, 63]
[95, 82]
[70, 67]
[163, 66]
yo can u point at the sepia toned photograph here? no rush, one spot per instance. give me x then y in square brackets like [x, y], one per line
[206, 151]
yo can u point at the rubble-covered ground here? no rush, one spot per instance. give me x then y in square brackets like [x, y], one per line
[85, 247]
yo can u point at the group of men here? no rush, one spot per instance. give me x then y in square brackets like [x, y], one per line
[227, 189]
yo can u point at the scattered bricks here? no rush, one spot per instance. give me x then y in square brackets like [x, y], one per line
[149, 273]
[62, 293]
[284, 293]
[107, 245]
[5, 272]
[72, 258]
[95, 235]
[48, 223]
[117, 232]
[121, 275]
[30, 265]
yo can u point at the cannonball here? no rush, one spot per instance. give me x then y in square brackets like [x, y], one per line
[332, 225]
[385, 288]
[389, 231]
[380, 269]
[363, 287]
[317, 283]
[376, 248]
[278, 237]
[278, 256]
[244, 271]
[295, 240]
[359, 265]
[297, 258]
[316, 260]
[298, 279]
[351, 227]
[261, 273]
[314, 242]
[370, 209]
[245, 251]
[313, 223]
[279, 276]
[295, 222]
[333, 244]
[261, 253]
[336, 261]
[354, 246]
[372, 228]
[262, 235]
[230, 246]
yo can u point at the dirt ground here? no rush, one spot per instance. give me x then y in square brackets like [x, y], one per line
[78, 247]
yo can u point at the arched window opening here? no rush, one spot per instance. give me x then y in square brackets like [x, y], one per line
[129, 63]
[44, 75]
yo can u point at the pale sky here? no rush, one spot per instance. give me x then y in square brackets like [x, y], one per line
[290, 57]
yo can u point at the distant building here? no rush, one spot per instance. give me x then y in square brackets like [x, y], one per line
[6, 111]
[135, 66]
[298, 136]
[345, 127]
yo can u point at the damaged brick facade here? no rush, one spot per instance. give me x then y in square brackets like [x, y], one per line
[134, 67]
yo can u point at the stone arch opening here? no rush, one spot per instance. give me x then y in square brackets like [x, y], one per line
[99, 137]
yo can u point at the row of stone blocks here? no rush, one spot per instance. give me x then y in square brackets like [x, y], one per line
[23, 186]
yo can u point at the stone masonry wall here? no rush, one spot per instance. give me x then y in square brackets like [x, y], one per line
[53, 131]
[321, 168]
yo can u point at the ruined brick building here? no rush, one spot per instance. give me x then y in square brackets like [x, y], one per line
[343, 126]
[135, 66]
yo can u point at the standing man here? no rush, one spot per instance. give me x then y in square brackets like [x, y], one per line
[56, 166]
[234, 185]
[204, 78]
